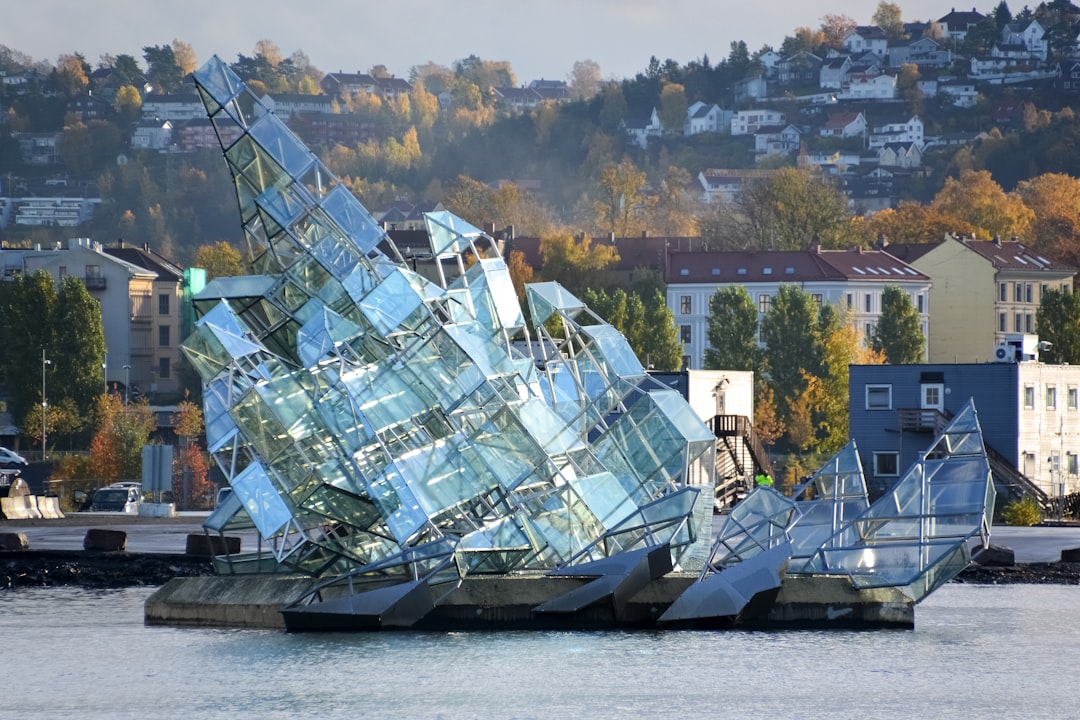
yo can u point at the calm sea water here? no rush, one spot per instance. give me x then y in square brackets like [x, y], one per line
[976, 652]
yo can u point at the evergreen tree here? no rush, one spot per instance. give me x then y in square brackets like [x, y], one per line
[898, 333]
[733, 328]
[1058, 322]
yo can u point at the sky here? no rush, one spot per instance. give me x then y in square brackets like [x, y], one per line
[541, 40]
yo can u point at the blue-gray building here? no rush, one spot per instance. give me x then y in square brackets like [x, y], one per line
[1028, 412]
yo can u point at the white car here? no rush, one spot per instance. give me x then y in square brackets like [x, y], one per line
[11, 460]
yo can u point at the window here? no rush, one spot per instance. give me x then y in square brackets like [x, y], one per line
[921, 303]
[1029, 323]
[1027, 292]
[62, 271]
[1003, 322]
[163, 304]
[684, 304]
[850, 300]
[818, 298]
[1051, 397]
[764, 303]
[869, 302]
[1070, 398]
[1018, 322]
[1072, 465]
[1018, 292]
[163, 368]
[1043, 290]
[684, 334]
[1029, 397]
[887, 464]
[686, 362]
[868, 329]
[163, 336]
[1003, 292]
[879, 397]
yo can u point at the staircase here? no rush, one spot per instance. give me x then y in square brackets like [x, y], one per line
[1007, 477]
[740, 455]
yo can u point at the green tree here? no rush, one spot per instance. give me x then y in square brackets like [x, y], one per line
[27, 311]
[1058, 322]
[898, 333]
[163, 71]
[733, 329]
[660, 348]
[78, 347]
[792, 348]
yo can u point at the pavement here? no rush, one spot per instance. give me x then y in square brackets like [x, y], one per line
[169, 535]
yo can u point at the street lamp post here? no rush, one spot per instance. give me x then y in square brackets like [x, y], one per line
[44, 401]
[127, 384]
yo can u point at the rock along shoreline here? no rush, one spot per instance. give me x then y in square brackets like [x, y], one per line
[104, 570]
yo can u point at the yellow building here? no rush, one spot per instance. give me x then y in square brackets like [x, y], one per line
[981, 291]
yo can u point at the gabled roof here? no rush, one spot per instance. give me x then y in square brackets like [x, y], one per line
[840, 120]
[1013, 255]
[962, 19]
[789, 266]
[910, 252]
[776, 129]
[870, 32]
[147, 259]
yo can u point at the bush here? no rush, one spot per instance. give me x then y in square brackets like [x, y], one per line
[1022, 513]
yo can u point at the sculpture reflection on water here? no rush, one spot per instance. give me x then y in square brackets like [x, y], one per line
[387, 434]
[384, 431]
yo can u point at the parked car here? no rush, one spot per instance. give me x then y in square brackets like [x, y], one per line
[11, 460]
[121, 497]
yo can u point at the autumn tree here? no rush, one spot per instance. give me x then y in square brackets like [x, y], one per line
[791, 210]
[835, 28]
[190, 475]
[888, 17]
[184, 57]
[619, 200]
[576, 264]
[521, 274]
[678, 205]
[911, 223]
[128, 103]
[828, 398]
[898, 333]
[423, 105]
[584, 80]
[975, 198]
[673, 106]
[1054, 198]
[116, 449]
[71, 74]
[219, 260]
[733, 330]
[1058, 322]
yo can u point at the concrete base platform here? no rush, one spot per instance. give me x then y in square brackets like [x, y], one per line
[509, 602]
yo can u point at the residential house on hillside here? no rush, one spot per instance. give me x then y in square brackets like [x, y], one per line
[201, 134]
[903, 131]
[834, 72]
[956, 24]
[1030, 35]
[962, 92]
[327, 130]
[773, 140]
[802, 68]
[899, 154]
[724, 184]
[707, 117]
[642, 129]
[551, 90]
[751, 89]
[1029, 413]
[152, 135]
[747, 122]
[923, 52]
[175, 108]
[286, 105]
[850, 279]
[982, 291]
[868, 86]
[844, 125]
[867, 38]
[346, 84]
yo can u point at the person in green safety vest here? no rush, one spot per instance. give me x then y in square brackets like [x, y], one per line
[763, 479]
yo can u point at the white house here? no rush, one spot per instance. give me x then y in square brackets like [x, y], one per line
[844, 125]
[850, 279]
[908, 131]
[152, 135]
[776, 140]
[1028, 33]
[706, 117]
[867, 37]
[961, 92]
[900, 154]
[172, 107]
[834, 71]
[747, 122]
[755, 88]
[867, 86]
[640, 131]
[725, 184]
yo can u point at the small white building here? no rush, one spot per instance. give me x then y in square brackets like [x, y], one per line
[706, 117]
[747, 122]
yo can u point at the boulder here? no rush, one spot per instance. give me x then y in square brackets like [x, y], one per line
[13, 541]
[104, 540]
[210, 545]
[995, 556]
[1071, 555]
